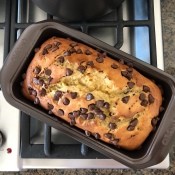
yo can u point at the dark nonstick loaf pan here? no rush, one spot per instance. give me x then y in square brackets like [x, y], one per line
[156, 146]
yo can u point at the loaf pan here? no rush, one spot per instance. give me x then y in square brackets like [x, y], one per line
[156, 146]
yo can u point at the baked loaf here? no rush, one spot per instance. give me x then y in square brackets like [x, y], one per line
[107, 99]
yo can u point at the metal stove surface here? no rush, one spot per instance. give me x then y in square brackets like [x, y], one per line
[136, 42]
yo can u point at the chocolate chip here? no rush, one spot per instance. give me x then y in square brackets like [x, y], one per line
[144, 103]
[37, 70]
[130, 64]
[129, 69]
[34, 93]
[130, 128]
[126, 74]
[125, 99]
[57, 43]
[50, 79]
[41, 82]
[84, 116]
[161, 109]
[103, 55]
[55, 48]
[112, 125]
[66, 101]
[154, 121]
[42, 92]
[36, 101]
[114, 66]
[115, 141]
[90, 63]
[97, 111]
[91, 107]
[83, 110]
[60, 112]
[69, 72]
[50, 106]
[142, 96]
[130, 84]
[57, 95]
[67, 53]
[71, 116]
[146, 88]
[90, 116]
[79, 51]
[108, 135]
[48, 72]
[73, 95]
[72, 50]
[44, 52]
[73, 44]
[133, 122]
[100, 103]
[102, 116]
[48, 46]
[97, 135]
[30, 90]
[36, 50]
[89, 97]
[60, 59]
[106, 105]
[72, 122]
[76, 113]
[121, 61]
[150, 99]
[88, 133]
[35, 80]
[88, 52]
[81, 68]
[99, 59]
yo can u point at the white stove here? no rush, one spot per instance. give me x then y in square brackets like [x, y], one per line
[10, 159]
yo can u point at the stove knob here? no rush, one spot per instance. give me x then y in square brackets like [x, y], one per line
[1, 139]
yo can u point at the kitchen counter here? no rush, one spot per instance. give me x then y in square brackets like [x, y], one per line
[168, 26]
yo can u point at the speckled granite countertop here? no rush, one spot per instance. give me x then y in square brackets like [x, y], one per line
[168, 24]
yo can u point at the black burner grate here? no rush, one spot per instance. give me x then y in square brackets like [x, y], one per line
[14, 26]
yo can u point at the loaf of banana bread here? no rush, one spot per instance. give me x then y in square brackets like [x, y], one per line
[108, 99]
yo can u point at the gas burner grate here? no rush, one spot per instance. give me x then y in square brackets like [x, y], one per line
[14, 25]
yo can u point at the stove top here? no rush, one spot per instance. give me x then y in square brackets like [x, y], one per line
[29, 143]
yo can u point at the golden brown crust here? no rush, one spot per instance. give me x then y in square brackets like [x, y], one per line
[129, 102]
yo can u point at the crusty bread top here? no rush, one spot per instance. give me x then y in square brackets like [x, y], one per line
[126, 102]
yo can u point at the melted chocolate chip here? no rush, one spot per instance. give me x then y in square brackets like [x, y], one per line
[76, 113]
[142, 96]
[36, 101]
[108, 135]
[79, 51]
[102, 116]
[57, 95]
[49, 80]
[71, 116]
[69, 71]
[130, 84]
[67, 53]
[42, 92]
[125, 99]
[90, 63]
[60, 59]
[34, 93]
[146, 88]
[66, 101]
[89, 97]
[55, 48]
[100, 59]
[37, 70]
[133, 122]
[35, 81]
[83, 110]
[60, 112]
[129, 69]
[90, 116]
[115, 141]
[97, 111]
[126, 74]
[84, 116]
[100, 103]
[72, 50]
[72, 122]
[91, 107]
[73, 44]
[41, 82]
[154, 121]
[48, 72]
[57, 43]
[73, 95]
[114, 66]
[88, 52]
[150, 99]
[144, 103]
[106, 105]
[50, 106]
[112, 126]
[130, 128]
[48, 46]
[88, 133]
[97, 135]
[81, 68]
[44, 52]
